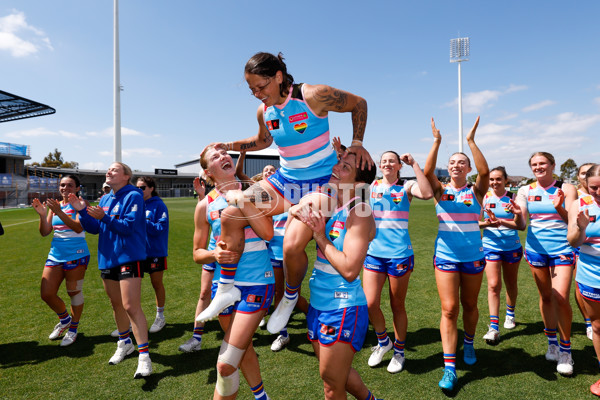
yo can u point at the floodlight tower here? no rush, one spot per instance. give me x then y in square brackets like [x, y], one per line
[117, 86]
[459, 52]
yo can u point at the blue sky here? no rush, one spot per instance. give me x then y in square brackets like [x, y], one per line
[532, 75]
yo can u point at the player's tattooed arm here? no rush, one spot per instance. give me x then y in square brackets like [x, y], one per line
[256, 194]
[331, 99]
[247, 146]
[359, 119]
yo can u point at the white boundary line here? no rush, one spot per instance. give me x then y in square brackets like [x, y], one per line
[20, 223]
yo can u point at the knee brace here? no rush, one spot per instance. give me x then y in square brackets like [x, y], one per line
[229, 354]
[228, 385]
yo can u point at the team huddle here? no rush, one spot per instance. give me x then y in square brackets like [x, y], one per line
[251, 235]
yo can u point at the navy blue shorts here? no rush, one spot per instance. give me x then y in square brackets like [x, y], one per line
[254, 299]
[536, 260]
[68, 265]
[125, 271]
[392, 266]
[509, 256]
[471, 267]
[154, 264]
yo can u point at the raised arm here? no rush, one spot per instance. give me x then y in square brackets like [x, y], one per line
[482, 183]
[261, 140]
[323, 98]
[422, 189]
[431, 162]
[72, 223]
[239, 168]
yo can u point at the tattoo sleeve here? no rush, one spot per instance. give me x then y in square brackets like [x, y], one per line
[359, 120]
[246, 146]
[334, 98]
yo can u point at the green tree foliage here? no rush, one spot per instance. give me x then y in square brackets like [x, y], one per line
[472, 178]
[568, 170]
[55, 160]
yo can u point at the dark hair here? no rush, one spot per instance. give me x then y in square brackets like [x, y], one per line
[75, 179]
[366, 175]
[584, 165]
[593, 171]
[267, 65]
[149, 181]
[502, 170]
[397, 157]
[548, 156]
[468, 159]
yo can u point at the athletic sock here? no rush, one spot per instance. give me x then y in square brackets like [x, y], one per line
[551, 335]
[510, 310]
[291, 292]
[228, 273]
[143, 348]
[259, 391]
[588, 323]
[124, 336]
[64, 317]
[494, 322]
[160, 311]
[74, 326]
[468, 341]
[399, 347]
[382, 338]
[565, 346]
[370, 396]
[198, 332]
[284, 332]
[450, 361]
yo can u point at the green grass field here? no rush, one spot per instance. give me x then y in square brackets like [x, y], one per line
[33, 367]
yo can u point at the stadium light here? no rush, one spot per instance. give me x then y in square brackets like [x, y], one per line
[117, 86]
[459, 52]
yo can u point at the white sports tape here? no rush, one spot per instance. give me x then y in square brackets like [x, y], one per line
[228, 385]
[229, 354]
[77, 300]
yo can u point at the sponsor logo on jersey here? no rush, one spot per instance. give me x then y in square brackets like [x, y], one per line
[340, 295]
[563, 257]
[448, 197]
[300, 128]
[268, 274]
[401, 267]
[252, 298]
[397, 197]
[376, 195]
[338, 224]
[215, 215]
[298, 117]
[493, 205]
[125, 268]
[592, 218]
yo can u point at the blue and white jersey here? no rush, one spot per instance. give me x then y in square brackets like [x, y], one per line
[588, 265]
[328, 289]
[67, 245]
[547, 232]
[302, 137]
[254, 267]
[390, 206]
[275, 245]
[500, 238]
[459, 237]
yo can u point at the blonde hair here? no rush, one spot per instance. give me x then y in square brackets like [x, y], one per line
[548, 156]
[126, 168]
[204, 161]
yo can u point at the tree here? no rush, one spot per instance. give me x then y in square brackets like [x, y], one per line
[472, 178]
[55, 160]
[568, 170]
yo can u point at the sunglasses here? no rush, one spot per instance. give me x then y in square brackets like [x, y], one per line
[142, 187]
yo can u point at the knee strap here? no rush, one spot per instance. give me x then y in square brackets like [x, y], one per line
[229, 354]
[228, 385]
[77, 300]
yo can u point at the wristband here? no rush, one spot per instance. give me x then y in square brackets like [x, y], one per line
[356, 143]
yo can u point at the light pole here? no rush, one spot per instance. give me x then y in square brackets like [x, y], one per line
[117, 86]
[459, 52]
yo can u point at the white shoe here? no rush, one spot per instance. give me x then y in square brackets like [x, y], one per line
[226, 296]
[144, 366]
[123, 350]
[378, 353]
[509, 323]
[262, 323]
[396, 364]
[158, 324]
[115, 333]
[280, 317]
[492, 336]
[58, 330]
[68, 339]
[589, 332]
[565, 364]
[280, 342]
[552, 353]
[191, 345]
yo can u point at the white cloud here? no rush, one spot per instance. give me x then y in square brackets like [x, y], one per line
[508, 117]
[41, 133]
[145, 152]
[538, 106]
[110, 131]
[19, 38]
[475, 102]
[93, 165]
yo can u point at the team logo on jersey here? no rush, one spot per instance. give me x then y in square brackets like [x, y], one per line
[300, 128]
[401, 267]
[273, 124]
[346, 333]
[215, 215]
[164, 215]
[534, 198]
[376, 195]
[268, 274]
[448, 197]
[298, 117]
[148, 214]
[115, 209]
[493, 205]
[134, 208]
[252, 298]
[592, 218]
[125, 268]
[327, 330]
[396, 197]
